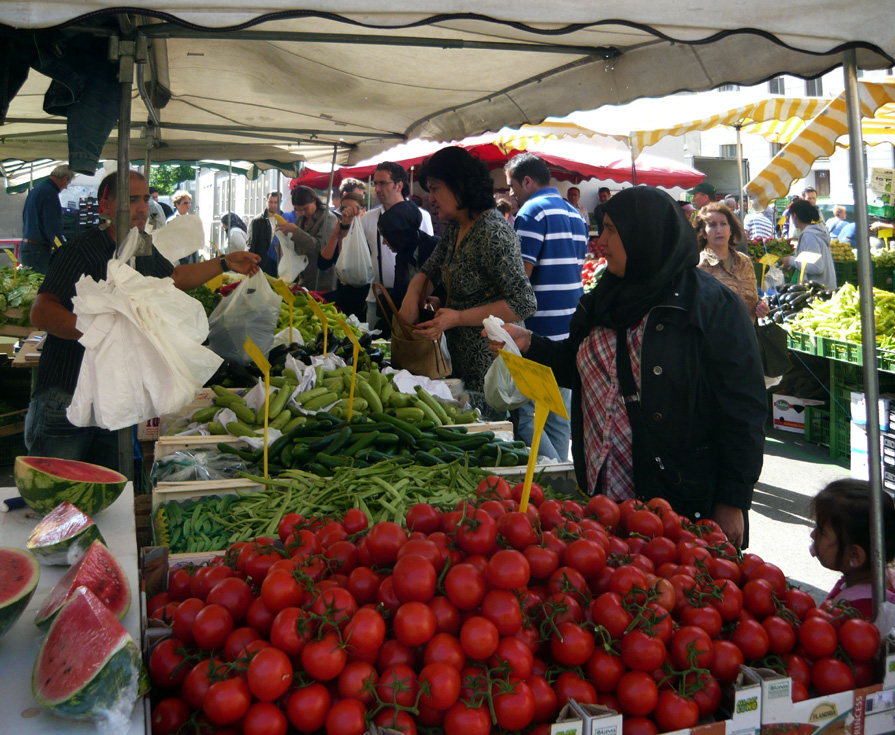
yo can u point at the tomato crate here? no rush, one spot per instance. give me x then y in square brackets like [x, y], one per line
[801, 342]
[817, 425]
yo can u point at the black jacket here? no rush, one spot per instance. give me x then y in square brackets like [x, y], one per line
[260, 236]
[702, 393]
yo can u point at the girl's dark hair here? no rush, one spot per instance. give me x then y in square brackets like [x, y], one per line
[845, 505]
[466, 176]
[805, 211]
[302, 195]
[231, 220]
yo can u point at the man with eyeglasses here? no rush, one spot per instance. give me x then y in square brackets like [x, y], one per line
[391, 186]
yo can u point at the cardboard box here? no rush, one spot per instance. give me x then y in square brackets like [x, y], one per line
[859, 409]
[781, 716]
[789, 412]
[888, 450]
[568, 722]
[859, 458]
[596, 719]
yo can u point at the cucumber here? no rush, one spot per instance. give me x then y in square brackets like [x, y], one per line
[400, 400]
[321, 401]
[411, 413]
[244, 413]
[302, 398]
[237, 428]
[216, 427]
[370, 395]
[204, 415]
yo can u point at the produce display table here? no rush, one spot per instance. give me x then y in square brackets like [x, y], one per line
[19, 712]
[29, 355]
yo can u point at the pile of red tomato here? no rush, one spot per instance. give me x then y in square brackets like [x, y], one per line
[483, 618]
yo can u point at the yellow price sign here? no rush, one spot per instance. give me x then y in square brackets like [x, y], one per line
[766, 260]
[356, 351]
[15, 264]
[215, 283]
[884, 233]
[58, 242]
[283, 290]
[264, 366]
[318, 312]
[805, 259]
[537, 382]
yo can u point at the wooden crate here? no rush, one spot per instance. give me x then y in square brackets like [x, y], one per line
[16, 425]
[12, 330]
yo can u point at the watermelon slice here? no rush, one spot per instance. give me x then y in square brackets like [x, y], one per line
[63, 536]
[99, 572]
[19, 574]
[44, 482]
[88, 666]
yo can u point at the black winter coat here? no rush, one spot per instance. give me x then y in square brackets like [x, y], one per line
[702, 394]
[260, 236]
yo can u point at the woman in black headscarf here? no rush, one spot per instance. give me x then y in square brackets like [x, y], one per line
[236, 232]
[668, 396]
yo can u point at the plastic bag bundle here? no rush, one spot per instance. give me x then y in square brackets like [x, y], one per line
[251, 310]
[500, 388]
[187, 466]
[355, 266]
[143, 349]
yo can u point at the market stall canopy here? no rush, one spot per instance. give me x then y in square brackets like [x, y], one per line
[817, 138]
[368, 73]
[568, 159]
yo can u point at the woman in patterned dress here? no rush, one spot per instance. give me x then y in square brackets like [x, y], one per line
[719, 232]
[481, 252]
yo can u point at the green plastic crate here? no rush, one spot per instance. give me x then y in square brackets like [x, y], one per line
[807, 343]
[882, 278]
[846, 272]
[817, 425]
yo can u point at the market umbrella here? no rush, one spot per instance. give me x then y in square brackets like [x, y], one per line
[816, 139]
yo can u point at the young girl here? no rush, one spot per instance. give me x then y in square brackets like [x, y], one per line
[841, 539]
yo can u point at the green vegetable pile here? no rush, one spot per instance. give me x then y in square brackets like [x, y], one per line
[759, 248]
[17, 291]
[208, 298]
[383, 492]
[306, 322]
[840, 317]
[884, 259]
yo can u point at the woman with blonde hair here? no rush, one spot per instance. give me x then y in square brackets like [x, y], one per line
[718, 232]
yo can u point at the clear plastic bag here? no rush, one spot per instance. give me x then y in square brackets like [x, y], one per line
[355, 266]
[500, 388]
[290, 265]
[189, 466]
[251, 310]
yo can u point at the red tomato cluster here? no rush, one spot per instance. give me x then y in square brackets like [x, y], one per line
[484, 617]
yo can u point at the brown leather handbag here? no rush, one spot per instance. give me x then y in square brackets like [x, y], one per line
[410, 351]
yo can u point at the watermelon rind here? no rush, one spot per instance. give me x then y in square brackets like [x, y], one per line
[44, 482]
[116, 678]
[16, 586]
[63, 536]
[99, 572]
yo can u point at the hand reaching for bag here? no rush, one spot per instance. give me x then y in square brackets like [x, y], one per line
[443, 320]
[521, 336]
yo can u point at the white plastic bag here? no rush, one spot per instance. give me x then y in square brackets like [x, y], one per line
[354, 266]
[773, 279]
[291, 265]
[143, 348]
[182, 236]
[500, 389]
[251, 310]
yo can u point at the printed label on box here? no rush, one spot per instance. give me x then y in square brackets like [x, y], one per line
[778, 689]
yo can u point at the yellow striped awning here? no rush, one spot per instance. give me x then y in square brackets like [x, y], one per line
[816, 139]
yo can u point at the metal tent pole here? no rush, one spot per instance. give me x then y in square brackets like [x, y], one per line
[740, 171]
[868, 329]
[125, 51]
[332, 176]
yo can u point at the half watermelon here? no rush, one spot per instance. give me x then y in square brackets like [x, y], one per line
[63, 536]
[19, 574]
[44, 482]
[88, 666]
[100, 573]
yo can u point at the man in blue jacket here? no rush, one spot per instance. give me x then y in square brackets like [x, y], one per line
[42, 226]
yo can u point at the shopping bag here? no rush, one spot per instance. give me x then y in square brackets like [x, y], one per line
[143, 353]
[501, 392]
[290, 265]
[773, 347]
[410, 351]
[354, 266]
[250, 310]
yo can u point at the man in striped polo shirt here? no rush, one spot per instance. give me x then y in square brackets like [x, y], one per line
[553, 236]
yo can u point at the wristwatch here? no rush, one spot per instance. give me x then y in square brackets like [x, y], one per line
[344, 226]
[223, 264]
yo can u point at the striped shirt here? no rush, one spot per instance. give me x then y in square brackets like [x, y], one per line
[89, 254]
[607, 429]
[758, 225]
[553, 238]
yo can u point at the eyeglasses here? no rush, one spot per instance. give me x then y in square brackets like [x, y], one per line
[382, 183]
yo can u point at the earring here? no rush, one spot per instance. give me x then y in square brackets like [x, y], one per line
[852, 564]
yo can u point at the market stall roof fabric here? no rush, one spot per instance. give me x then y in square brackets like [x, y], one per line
[817, 138]
[369, 73]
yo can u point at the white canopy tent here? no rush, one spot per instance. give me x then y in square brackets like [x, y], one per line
[367, 72]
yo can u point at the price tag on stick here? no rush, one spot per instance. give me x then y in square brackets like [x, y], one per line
[318, 312]
[355, 346]
[11, 254]
[264, 366]
[805, 259]
[537, 382]
[283, 290]
[766, 260]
